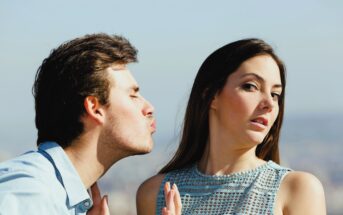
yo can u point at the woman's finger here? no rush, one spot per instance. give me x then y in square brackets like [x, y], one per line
[165, 211]
[96, 196]
[166, 193]
[167, 187]
[104, 206]
[100, 205]
[177, 200]
[170, 201]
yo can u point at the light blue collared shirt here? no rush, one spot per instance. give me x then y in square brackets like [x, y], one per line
[42, 182]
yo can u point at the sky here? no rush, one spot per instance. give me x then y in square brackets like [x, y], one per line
[173, 39]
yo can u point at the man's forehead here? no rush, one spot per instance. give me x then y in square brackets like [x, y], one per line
[121, 77]
[118, 67]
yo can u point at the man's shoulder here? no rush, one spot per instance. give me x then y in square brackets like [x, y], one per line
[28, 183]
[29, 168]
[27, 194]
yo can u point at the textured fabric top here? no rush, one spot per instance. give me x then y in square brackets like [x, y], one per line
[248, 192]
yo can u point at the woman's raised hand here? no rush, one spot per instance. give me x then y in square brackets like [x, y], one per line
[173, 200]
[100, 205]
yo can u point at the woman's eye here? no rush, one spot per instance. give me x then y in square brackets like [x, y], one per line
[276, 96]
[249, 87]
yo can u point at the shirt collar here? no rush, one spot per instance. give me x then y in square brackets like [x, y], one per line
[73, 185]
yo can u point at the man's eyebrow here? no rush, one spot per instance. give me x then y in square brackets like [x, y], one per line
[260, 79]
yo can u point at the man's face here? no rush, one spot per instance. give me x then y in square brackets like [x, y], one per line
[129, 121]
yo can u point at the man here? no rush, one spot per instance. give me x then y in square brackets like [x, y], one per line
[89, 115]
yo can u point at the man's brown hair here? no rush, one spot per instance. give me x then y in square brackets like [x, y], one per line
[73, 71]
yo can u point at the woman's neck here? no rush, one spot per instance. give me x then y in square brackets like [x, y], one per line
[224, 156]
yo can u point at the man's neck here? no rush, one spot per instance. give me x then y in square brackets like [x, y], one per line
[90, 160]
[85, 163]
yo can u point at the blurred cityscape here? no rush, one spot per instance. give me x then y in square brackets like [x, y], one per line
[308, 143]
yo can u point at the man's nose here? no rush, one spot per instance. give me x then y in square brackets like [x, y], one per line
[148, 109]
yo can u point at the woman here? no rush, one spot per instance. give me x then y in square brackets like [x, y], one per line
[228, 158]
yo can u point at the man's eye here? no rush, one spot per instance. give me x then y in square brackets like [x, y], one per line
[249, 87]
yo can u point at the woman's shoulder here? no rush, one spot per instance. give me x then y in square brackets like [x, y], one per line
[147, 194]
[301, 183]
[302, 191]
[151, 184]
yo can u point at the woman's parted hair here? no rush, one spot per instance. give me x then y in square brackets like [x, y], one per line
[211, 79]
[73, 71]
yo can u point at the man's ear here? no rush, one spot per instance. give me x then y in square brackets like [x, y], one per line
[94, 109]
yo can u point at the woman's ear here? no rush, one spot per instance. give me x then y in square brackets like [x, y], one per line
[94, 109]
[214, 102]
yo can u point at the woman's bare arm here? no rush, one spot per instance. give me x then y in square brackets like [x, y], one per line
[147, 195]
[302, 193]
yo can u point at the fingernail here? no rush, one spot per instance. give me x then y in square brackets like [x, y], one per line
[175, 187]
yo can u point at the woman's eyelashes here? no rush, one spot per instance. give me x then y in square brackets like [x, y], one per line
[250, 87]
[276, 96]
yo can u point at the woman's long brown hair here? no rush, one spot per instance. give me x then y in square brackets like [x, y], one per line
[211, 79]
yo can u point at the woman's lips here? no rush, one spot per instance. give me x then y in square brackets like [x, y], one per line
[259, 123]
[258, 126]
[261, 120]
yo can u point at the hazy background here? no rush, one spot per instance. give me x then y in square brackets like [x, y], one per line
[173, 39]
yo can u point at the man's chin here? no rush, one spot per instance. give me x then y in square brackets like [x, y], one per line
[141, 152]
[145, 150]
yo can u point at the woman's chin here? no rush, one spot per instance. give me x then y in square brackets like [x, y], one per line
[256, 138]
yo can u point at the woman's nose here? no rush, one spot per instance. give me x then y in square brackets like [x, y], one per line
[267, 103]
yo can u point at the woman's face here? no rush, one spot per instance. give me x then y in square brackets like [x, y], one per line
[247, 106]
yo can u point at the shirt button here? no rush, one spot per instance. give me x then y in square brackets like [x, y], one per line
[86, 204]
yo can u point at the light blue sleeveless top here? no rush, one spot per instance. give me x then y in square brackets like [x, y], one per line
[249, 192]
